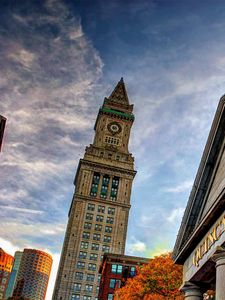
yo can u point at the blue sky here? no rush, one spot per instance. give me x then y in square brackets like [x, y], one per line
[58, 60]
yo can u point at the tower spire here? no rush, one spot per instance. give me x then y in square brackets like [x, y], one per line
[119, 94]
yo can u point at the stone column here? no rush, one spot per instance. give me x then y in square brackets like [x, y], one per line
[219, 259]
[191, 291]
[99, 186]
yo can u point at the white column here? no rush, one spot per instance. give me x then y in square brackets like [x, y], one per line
[191, 291]
[219, 259]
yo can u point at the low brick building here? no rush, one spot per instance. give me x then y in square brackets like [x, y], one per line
[115, 269]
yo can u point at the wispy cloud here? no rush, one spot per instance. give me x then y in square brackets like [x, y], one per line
[175, 215]
[20, 209]
[182, 187]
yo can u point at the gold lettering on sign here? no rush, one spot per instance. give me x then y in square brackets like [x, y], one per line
[209, 241]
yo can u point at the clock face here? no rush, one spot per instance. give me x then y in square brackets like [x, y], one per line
[114, 127]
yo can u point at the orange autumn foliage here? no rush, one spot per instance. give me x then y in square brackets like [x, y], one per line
[159, 280]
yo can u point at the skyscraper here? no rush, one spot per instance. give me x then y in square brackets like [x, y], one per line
[100, 206]
[33, 275]
[14, 273]
[6, 263]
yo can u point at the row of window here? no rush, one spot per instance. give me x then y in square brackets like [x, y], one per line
[77, 297]
[98, 227]
[87, 288]
[104, 187]
[85, 297]
[111, 140]
[128, 271]
[96, 237]
[101, 208]
[89, 277]
[94, 246]
[99, 218]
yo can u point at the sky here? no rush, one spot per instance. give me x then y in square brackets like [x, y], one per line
[58, 60]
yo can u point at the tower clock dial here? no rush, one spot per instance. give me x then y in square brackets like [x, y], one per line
[114, 127]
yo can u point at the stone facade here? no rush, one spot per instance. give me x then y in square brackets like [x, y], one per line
[100, 206]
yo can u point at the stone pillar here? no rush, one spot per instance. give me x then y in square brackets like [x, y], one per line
[99, 186]
[219, 259]
[191, 291]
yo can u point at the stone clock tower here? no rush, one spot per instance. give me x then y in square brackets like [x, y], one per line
[100, 206]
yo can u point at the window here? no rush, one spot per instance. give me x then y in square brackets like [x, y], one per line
[94, 185]
[109, 220]
[101, 209]
[79, 275]
[107, 239]
[93, 256]
[94, 246]
[77, 287]
[87, 225]
[116, 269]
[75, 297]
[90, 277]
[80, 265]
[114, 283]
[98, 227]
[111, 140]
[89, 216]
[82, 254]
[110, 297]
[91, 267]
[91, 207]
[108, 229]
[104, 188]
[96, 236]
[132, 271]
[86, 235]
[105, 248]
[84, 245]
[114, 188]
[87, 298]
[88, 288]
[99, 218]
[111, 211]
[99, 278]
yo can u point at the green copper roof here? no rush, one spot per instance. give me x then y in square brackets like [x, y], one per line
[115, 112]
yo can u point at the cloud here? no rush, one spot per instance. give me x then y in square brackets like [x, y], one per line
[8, 246]
[184, 186]
[175, 215]
[22, 210]
[135, 247]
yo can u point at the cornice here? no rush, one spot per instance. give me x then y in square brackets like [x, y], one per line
[79, 197]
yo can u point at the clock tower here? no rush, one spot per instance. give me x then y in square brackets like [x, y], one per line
[100, 206]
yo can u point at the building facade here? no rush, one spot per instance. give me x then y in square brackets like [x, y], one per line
[115, 269]
[6, 263]
[14, 273]
[33, 275]
[100, 206]
[200, 245]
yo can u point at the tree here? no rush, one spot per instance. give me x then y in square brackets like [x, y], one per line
[158, 280]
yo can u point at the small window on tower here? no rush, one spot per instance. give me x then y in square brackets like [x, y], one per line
[104, 188]
[94, 185]
[114, 188]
